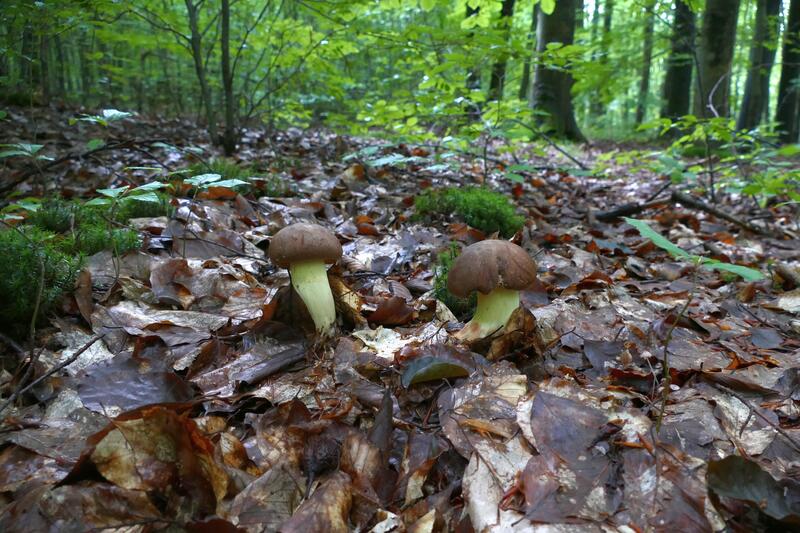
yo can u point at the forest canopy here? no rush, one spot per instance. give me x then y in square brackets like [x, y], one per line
[418, 69]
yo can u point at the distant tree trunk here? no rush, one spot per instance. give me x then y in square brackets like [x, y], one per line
[26, 60]
[473, 77]
[44, 68]
[647, 60]
[200, 69]
[715, 58]
[498, 78]
[229, 137]
[579, 8]
[597, 107]
[762, 57]
[787, 111]
[61, 68]
[552, 87]
[525, 82]
[677, 87]
[84, 72]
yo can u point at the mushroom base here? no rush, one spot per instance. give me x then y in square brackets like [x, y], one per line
[492, 313]
[310, 281]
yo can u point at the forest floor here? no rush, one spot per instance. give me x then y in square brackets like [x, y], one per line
[178, 387]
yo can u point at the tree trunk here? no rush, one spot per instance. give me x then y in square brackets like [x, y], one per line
[229, 137]
[676, 90]
[552, 87]
[597, 107]
[647, 61]
[715, 58]
[25, 62]
[498, 78]
[762, 57]
[473, 78]
[787, 111]
[44, 68]
[200, 70]
[525, 82]
[61, 68]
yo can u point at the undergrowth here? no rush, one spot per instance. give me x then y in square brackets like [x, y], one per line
[479, 207]
[28, 250]
[461, 307]
[258, 183]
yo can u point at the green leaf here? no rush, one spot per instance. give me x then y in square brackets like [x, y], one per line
[427, 5]
[516, 178]
[662, 242]
[98, 202]
[148, 197]
[432, 368]
[150, 186]
[3, 114]
[203, 179]
[744, 272]
[113, 193]
[548, 6]
[94, 144]
[230, 184]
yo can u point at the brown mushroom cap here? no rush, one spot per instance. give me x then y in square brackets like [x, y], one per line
[304, 242]
[487, 265]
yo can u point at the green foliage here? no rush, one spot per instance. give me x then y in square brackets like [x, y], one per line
[86, 230]
[26, 251]
[477, 206]
[662, 242]
[144, 209]
[461, 307]
[223, 172]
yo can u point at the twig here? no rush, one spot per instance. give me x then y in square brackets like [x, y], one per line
[74, 357]
[695, 203]
[665, 363]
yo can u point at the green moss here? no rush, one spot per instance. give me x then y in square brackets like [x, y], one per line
[461, 307]
[54, 215]
[90, 239]
[224, 167]
[130, 208]
[479, 207]
[26, 252]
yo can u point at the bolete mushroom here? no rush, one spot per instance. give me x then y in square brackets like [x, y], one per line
[498, 270]
[305, 249]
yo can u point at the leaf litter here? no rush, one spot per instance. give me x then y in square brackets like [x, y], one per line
[207, 403]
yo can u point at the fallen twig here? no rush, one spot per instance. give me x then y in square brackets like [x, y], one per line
[74, 357]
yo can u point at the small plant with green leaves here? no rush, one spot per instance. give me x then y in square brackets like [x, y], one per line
[461, 307]
[36, 272]
[662, 242]
[477, 206]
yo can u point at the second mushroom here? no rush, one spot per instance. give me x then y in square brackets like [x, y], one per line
[497, 270]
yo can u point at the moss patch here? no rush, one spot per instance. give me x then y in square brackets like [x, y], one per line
[479, 207]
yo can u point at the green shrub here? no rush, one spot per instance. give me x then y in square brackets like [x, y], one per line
[26, 250]
[224, 167]
[479, 207]
[461, 307]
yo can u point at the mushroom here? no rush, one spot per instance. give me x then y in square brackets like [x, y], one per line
[304, 249]
[498, 270]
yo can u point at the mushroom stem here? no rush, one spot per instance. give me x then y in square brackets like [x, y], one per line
[310, 280]
[492, 313]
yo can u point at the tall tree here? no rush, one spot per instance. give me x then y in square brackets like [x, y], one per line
[787, 111]
[715, 58]
[498, 79]
[196, 42]
[600, 55]
[525, 82]
[552, 86]
[677, 87]
[229, 136]
[762, 57]
[647, 60]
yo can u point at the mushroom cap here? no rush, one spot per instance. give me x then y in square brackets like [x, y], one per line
[304, 242]
[487, 265]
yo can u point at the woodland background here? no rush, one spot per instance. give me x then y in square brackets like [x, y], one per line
[158, 373]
